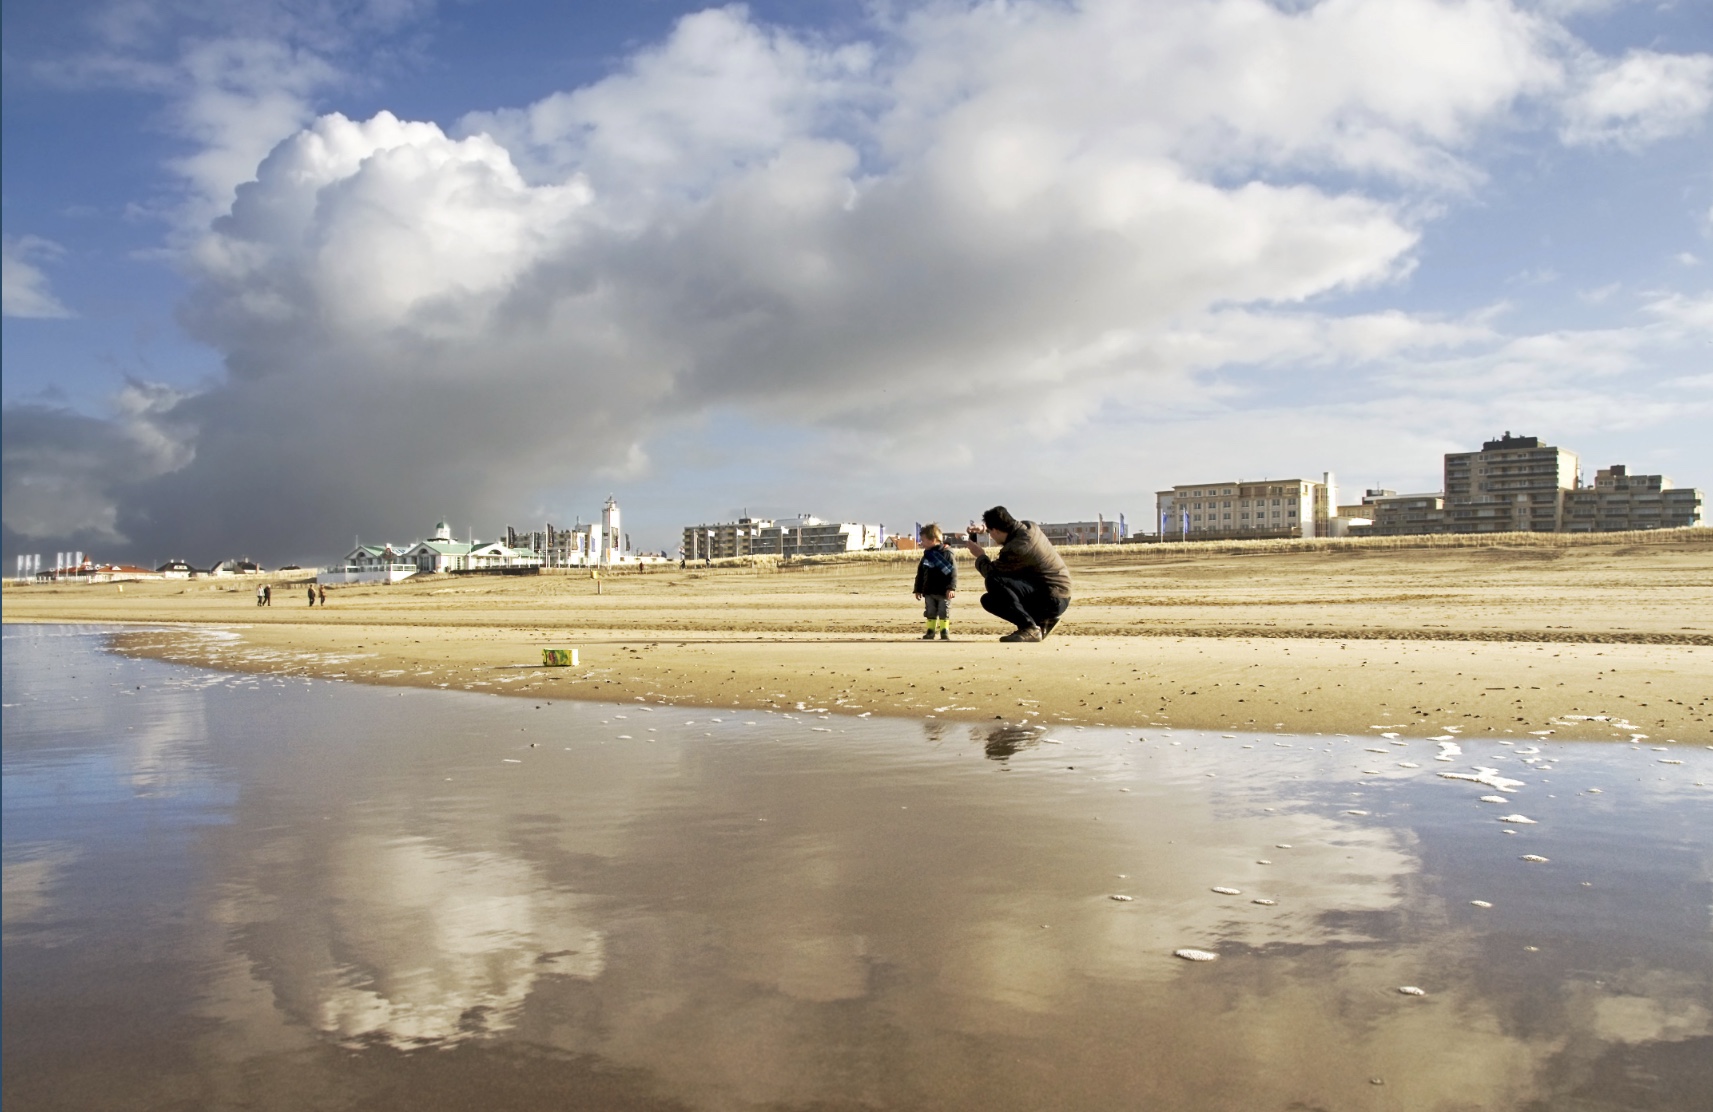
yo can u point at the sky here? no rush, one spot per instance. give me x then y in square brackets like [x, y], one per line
[278, 275]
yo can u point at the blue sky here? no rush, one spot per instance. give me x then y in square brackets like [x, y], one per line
[878, 262]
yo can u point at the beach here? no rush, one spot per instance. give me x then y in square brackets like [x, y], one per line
[1595, 637]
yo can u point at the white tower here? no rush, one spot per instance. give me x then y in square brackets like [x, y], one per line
[442, 531]
[612, 546]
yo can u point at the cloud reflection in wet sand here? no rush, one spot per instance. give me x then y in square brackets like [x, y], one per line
[406, 942]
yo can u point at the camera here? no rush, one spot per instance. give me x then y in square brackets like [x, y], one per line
[972, 533]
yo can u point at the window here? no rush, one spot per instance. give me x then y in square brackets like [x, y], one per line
[1244, 514]
[1291, 513]
[1228, 517]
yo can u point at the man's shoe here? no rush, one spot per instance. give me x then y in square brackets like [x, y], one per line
[1030, 634]
[944, 636]
[1048, 627]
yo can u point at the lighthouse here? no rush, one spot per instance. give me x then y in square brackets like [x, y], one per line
[612, 541]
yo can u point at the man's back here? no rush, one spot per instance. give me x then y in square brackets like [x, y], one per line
[1028, 552]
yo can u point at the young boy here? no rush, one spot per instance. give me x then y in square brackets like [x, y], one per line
[936, 583]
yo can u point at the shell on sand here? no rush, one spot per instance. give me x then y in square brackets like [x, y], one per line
[1479, 903]
[1535, 857]
[1229, 891]
[1195, 955]
[1411, 990]
[1264, 902]
[1523, 819]
[1121, 899]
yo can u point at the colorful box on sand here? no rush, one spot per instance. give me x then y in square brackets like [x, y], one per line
[559, 658]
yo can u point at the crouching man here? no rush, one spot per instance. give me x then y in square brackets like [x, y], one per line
[1027, 582]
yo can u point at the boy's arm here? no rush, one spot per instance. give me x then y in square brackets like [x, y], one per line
[921, 569]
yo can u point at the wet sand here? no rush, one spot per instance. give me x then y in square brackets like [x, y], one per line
[1594, 640]
[263, 891]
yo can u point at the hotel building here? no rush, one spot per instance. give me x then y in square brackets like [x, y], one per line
[1249, 509]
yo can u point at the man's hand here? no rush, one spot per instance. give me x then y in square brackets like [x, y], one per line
[975, 549]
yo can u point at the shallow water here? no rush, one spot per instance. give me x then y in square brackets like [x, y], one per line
[265, 892]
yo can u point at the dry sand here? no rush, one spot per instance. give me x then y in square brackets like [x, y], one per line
[1508, 635]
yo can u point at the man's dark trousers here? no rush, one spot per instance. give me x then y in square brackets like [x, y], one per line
[1022, 602]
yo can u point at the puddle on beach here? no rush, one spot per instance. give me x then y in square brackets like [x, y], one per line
[259, 891]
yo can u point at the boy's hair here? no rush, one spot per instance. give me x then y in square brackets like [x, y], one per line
[1000, 518]
[931, 532]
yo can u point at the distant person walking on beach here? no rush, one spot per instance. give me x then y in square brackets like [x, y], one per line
[322, 591]
[936, 583]
[267, 595]
[1028, 584]
[312, 594]
[262, 595]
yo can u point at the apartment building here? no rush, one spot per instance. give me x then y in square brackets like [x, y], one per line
[722, 539]
[805, 535]
[1098, 531]
[1618, 501]
[1386, 513]
[1513, 484]
[810, 536]
[1246, 509]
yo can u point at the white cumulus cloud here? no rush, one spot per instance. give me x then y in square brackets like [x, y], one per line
[1640, 99]
[24, 288]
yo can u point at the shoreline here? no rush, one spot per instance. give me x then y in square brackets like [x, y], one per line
[1253, 685]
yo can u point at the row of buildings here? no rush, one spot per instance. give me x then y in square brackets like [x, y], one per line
[1513, 484]
[76, 567]
[594, 545]
[807, 535]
